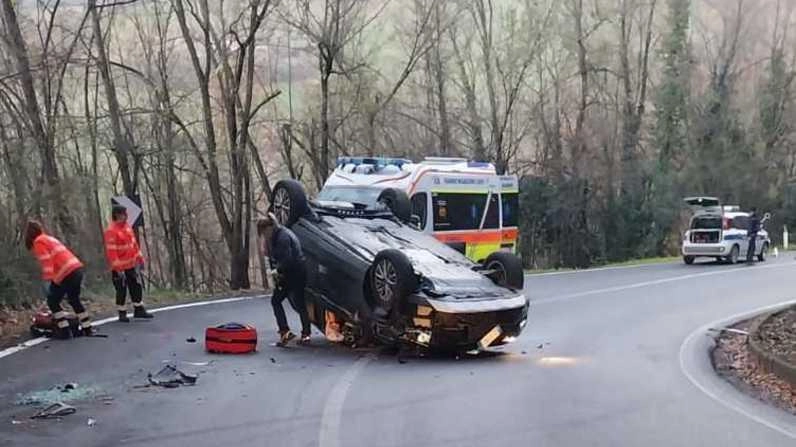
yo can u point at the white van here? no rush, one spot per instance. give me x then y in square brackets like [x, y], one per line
[720, 232]
[462, 203]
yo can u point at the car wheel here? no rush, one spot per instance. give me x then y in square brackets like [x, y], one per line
[734, 253]
[398, 203]
[392, 280]
[688, 259]
[763, 252]
[288, 202]
[508, 270]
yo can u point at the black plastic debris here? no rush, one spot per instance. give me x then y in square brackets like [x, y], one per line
[171, 377]
[55, 411]
[190, 340]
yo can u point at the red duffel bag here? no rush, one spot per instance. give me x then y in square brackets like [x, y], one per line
[231, 338]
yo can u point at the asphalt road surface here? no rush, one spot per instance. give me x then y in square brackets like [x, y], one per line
[601, 363]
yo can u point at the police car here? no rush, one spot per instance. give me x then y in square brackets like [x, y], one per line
[720, 232]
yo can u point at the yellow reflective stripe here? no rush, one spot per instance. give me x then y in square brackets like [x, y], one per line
[139, 304]
[60, 315]
[63, 324]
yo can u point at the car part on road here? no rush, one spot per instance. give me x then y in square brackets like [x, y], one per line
[508, 270]
[55, 411]
[231, 338]
[171, 377]
[398, 203]
[190, 340]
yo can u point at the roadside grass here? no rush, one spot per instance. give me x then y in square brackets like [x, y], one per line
[628, 263]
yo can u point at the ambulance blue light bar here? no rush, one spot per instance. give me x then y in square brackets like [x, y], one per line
[375, 161]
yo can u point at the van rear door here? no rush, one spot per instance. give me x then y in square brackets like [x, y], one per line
[707, 205]
[708, 221]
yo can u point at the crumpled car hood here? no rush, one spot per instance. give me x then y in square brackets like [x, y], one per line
[450, 272]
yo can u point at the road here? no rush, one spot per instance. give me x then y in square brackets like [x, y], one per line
[598, 365]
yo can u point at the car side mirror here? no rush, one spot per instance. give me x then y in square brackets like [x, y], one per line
[414, 220]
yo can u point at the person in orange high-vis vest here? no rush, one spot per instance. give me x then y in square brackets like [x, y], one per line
[125, 261]
[63, 272]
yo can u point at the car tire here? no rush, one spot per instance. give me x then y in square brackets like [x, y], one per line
[688, 260]
[288, 202]
[509, 267]
[735, 252]
[392, 279]
[398, 203]
[763, 252]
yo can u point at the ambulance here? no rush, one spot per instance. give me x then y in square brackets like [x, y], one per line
[464, 204]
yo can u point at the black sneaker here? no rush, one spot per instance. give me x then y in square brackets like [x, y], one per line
[140, 312]
[123, 316]
[304, 340]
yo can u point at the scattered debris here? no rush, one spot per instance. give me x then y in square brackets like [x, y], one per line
[524, 352]
[540, 346]
[16, 422]
[60, 393]
[402, 360]
[190, 340]
[171, 377]
[54, 411]
[91, 422]
[273, 360]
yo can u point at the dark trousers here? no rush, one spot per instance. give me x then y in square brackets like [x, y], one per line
[750, 254]
[128, 280]
[69, 288]
[291, 286]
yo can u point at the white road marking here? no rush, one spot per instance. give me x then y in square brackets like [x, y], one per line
[331, 417]
[36, 341]
[655, 282]
[600, 269]
[712, 391]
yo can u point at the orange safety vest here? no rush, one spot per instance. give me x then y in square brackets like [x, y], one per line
[57, 262]
[121, 247]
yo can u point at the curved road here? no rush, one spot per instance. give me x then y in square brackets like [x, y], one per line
[598, 365]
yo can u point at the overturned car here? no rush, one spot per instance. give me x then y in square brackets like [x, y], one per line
[373, 276]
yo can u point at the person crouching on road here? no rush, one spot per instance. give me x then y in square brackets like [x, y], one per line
[126, 262]
[290, 276]
[63, 272]
[751, 233]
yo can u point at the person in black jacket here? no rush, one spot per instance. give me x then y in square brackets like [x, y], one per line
[751, 232]
[290, 276]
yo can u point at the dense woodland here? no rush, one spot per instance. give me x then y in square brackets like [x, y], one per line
[610, 111]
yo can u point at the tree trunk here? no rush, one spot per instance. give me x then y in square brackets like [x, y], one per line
[31, 105]
[122, 148]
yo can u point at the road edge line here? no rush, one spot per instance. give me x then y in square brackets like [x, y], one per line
[721, 391]
[37, 341]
